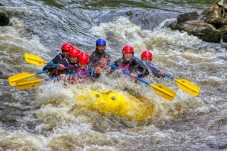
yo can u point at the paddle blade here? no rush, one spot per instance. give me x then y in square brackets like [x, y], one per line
[164, 91]
[15, 78]
[33, 59]
[28, 83]
[188, 87]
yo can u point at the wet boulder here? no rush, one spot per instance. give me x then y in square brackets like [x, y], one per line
[187, 17]
[215, 15]
[4, 19]
[204, 31]
[224, 33]
[210, 26]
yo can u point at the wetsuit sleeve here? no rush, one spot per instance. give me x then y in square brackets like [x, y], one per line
[116, 63]
[107, 56]
[139, 68]
[66, 71]
[157, 74]
[56, 59]
[49, 68]
[93, 74]
[92, 60]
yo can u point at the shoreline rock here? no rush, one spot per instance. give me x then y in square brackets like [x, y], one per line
[210, 25]
[204, 31]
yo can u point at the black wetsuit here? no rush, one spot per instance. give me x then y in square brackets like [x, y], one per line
[55, 60]
[96, 57]
[58, 58]
[71, 67]
[132, 66]
[54, 71]
[155, 72]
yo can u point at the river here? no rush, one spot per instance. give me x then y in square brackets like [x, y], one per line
[46, 119]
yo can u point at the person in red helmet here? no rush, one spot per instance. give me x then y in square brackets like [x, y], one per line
[83, 70]
[67, 65]
[83, 61]
[128, 63]
[147, 57]
[66, 47]
[71, 62]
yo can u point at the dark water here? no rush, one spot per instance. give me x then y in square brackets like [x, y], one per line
[44, 118]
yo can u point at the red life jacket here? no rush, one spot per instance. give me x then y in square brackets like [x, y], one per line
[84, 75]
[124, 67]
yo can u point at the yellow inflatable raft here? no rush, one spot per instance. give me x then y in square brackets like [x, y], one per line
[117, 103]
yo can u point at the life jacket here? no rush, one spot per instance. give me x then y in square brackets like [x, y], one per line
[124, 67]
[69, 64]
[78, 78]
[84, 75]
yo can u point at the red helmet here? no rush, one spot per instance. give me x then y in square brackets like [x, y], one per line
[74, 52]
[83, 58]
[127, 48]
[66, 47]
[146, 55]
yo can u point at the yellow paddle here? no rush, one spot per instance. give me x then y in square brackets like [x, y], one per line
[30, 83]
[34, 59]
[30, 58]
[159, 89]
[24, 75]
[183, 84]
[187, 86]
[15, 78]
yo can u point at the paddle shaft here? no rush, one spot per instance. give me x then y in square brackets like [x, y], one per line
[127, 73]
[41, 72]
[154, 68]
[56, 65]
[88, 71]
[51, 78]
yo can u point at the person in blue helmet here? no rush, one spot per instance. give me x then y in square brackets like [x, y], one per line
[99, 57]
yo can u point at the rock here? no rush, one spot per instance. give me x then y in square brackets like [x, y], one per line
[187, 17]
[171, 24]
[224, 37]
[222, 3]
[224, 33]
[204, 31]
[4, 19]
[210, 27]
[215, 15]
[224, 29]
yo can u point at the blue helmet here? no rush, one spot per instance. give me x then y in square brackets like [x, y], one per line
[100, 42]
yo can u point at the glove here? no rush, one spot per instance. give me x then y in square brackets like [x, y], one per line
[98, 70]
[133, 75]
[61, 66]
[103, 62]
[162, 72]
